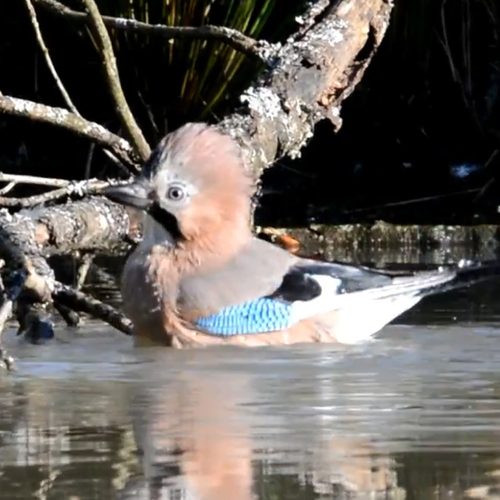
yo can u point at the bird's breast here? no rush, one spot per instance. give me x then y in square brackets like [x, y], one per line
[148, 293]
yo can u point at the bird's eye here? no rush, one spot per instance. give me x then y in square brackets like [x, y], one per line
[176, 193]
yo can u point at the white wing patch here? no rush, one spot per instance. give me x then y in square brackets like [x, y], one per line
[302, 309]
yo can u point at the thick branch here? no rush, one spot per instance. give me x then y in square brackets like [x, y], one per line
[115, 87]
[231, 37]
[309, 78]
[26, 238]
[93, 224]
[65, 119]
[20, 250]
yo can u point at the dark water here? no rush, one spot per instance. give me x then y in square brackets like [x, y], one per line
[414, 414]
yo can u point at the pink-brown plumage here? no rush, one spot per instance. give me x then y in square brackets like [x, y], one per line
[216, 223]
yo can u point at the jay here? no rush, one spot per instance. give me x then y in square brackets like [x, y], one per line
[200, 277]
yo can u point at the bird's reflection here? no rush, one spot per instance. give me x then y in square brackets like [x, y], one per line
[198, 438]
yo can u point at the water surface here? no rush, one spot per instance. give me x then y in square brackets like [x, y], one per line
[414, 414]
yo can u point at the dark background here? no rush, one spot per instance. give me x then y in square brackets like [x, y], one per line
[426, 109]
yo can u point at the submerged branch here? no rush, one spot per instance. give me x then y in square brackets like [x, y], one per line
[79, 301]
[23, 258]
[10, 296]
[28, 238]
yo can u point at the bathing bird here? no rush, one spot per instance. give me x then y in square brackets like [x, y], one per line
[199, 276]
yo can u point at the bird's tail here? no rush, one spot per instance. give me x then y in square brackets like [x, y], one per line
[422, 283]
[463, 274]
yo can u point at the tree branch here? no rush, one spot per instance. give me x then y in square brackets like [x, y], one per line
[38, 181]
[71, 189]
[308, 79]
[111, 71]
[231, 37]
[26, 238]
[80, 126]
[89, 225]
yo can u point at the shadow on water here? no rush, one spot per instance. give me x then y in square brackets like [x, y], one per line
[414, 414]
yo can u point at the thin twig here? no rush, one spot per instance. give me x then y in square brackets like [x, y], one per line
[411, 201]
[234, 38]
[83, 270]
[115, 87]
[48, 60]
[79, 189]
[35, 180]
[88, 163]
[491, 180]
[60, 117]
[32, 201]
[9, 187]
[52, 69]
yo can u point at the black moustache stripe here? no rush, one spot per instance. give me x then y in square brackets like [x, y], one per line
[166, 220]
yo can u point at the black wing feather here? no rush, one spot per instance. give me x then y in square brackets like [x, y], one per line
[299, 283]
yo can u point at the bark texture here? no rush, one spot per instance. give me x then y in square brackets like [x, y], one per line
[29, 237]
[308, 79]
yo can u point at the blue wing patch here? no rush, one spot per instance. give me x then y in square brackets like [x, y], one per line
[259, 316]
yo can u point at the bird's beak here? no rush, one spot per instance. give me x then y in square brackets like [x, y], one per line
[136, 194]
